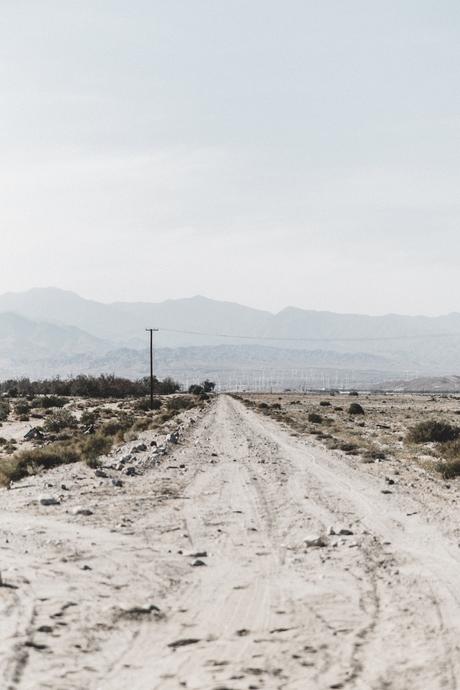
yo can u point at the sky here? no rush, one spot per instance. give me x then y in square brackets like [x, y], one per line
[271, 153]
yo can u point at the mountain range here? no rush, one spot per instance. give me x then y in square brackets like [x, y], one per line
[49, 331]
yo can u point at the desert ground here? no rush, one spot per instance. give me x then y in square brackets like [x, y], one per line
[239, 545]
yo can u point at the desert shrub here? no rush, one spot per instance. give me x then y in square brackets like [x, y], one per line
[180, 403]
[62, 419]
[348, 447]
[276, 406]
[4, 410]
[103, 386]
[117, 426]
[30, 461]
[353, 393]
[144, 404]
[195, 389]
[448, 469]
[142, 424]
[325, 403]
[374, 454]
[48, 401]
[89, 417]
[432, 430]
[315, 418]
[22, 408]
[94, 446]
[451, 449]
[263, 406]
[355, 408]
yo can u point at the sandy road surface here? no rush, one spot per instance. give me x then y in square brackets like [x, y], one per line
[113, 601]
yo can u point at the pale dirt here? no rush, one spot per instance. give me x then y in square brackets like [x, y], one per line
[376, 609]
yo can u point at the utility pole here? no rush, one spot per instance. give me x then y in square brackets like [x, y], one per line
[151, 331]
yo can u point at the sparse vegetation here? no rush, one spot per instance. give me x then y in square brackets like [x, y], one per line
[355, 409]
[4, 410]
[433, 431]
[102, 386]
[57, 421]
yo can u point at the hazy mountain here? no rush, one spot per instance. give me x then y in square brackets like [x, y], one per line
[424, 384]
[48, 328]
[125, 322]
[24, 339]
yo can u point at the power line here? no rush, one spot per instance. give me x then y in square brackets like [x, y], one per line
[316, 340]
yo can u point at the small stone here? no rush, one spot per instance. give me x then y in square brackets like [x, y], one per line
[117, 482]
[49, 501]
[198, 563]
[130, 471]
[100, 473]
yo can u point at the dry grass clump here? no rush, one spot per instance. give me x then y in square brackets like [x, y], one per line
[33, 460]
[433, 431]
[180, 402]
[145, 404]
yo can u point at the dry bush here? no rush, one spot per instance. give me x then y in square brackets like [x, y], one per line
[30, 461]
[177, 403]
[448, 468]
[433, 431]
[57, 421]
[315, 418]
[49, 401]
[145, 404]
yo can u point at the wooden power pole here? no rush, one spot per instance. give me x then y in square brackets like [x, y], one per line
[151, 331]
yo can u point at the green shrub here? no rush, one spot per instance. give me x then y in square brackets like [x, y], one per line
[62, 419]
[22, 408]
[48, 401]
[433, 431]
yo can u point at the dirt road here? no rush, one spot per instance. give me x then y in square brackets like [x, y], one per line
[197, 574]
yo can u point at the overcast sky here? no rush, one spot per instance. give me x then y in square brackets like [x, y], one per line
[304, 152]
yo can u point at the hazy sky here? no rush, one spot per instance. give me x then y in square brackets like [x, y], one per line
[302, 152]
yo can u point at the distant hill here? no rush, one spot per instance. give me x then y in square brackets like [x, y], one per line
[23, 338]
[424, 384]
[243, 364]
[62, 329]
